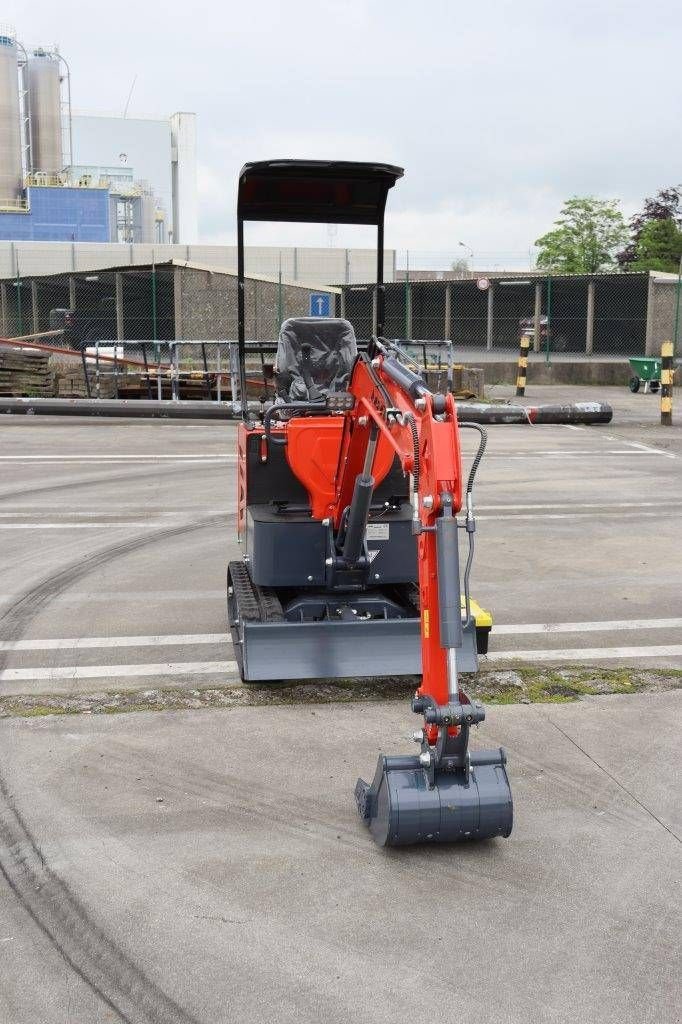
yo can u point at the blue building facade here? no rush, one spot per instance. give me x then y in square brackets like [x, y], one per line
[59, 215]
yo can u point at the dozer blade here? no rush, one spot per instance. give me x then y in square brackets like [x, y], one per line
[401, 807]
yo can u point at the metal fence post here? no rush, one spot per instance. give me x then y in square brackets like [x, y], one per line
[589, 326]
[174, 370]
[20, 321]
[408, 299]
[35, 308]
[447, 325]
[490, 317]
[677, 307]
[549, 319]
[120, 329]
[219, 376]
[3, 309]
[537, 336]
[155, 332]
[667, 384]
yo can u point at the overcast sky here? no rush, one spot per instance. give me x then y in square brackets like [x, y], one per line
[498, 111]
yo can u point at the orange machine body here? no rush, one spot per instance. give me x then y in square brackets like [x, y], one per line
[326, 453]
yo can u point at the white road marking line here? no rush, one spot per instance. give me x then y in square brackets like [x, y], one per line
[86, 642]
[588, 653]
[76, 672]
[113, 510]
[582, 504]
[190, 639]
[208, 461]
[529, 628]
[571, 426]
[648, 448]
[573, 453]
[126, 597]
[118, 455]
[121, 509]
[150, 524]
[572, 515]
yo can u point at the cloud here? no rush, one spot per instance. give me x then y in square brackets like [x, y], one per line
[498, 111]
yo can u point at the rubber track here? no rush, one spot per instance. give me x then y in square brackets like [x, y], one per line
[255, 604]
[84, 946]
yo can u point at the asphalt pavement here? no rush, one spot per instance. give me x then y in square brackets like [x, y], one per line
[116, 535]
[208, 867]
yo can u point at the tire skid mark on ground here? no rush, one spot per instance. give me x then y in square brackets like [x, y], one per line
[84, 946]
[143, 473]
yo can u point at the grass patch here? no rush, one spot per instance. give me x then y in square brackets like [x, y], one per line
[522, 683]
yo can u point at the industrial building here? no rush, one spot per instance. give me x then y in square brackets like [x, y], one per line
[300, 264]
[612, 315]
[168, 301]
[82, 178]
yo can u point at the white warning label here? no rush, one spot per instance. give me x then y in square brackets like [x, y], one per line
[378, 531]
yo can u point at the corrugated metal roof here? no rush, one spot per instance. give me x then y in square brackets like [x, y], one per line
[142, 268]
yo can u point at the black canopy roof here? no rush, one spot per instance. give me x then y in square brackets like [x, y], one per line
[315, 191]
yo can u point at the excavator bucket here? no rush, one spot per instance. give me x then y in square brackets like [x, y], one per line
[401, 808]
[443, 795]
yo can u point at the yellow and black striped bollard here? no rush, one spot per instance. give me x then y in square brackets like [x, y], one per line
[522, 365]
[667, 384]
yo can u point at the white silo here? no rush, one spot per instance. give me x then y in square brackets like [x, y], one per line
[11, 173]
[44, 95]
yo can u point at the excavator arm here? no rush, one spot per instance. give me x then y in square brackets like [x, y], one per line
[393, 408]
[446, 792]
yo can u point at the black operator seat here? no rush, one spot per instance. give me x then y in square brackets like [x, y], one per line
[315, 357]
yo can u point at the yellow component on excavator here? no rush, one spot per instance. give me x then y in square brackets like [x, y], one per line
[484, 623]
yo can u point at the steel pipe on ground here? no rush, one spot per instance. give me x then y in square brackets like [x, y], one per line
[473, 412]
[576, 412]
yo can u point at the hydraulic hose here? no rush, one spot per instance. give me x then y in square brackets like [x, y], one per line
[409, 418]
[470, 526]
[479, 454]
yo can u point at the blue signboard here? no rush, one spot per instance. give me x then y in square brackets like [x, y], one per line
[320, 304]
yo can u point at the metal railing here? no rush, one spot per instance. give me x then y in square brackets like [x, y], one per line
[206, 370]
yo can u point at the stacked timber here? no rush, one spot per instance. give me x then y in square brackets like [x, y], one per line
[467, 381]
[25, 373]
[71, 384]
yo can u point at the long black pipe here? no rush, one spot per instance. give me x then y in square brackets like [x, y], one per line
[576, 412]
[140, 408]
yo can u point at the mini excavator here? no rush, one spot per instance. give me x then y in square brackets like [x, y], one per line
[349, 490]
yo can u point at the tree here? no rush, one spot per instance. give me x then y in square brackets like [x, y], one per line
[460, 266]
[659, 247]
[666, 205]
[585, 236]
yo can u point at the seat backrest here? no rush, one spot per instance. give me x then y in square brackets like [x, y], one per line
[315, 356]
